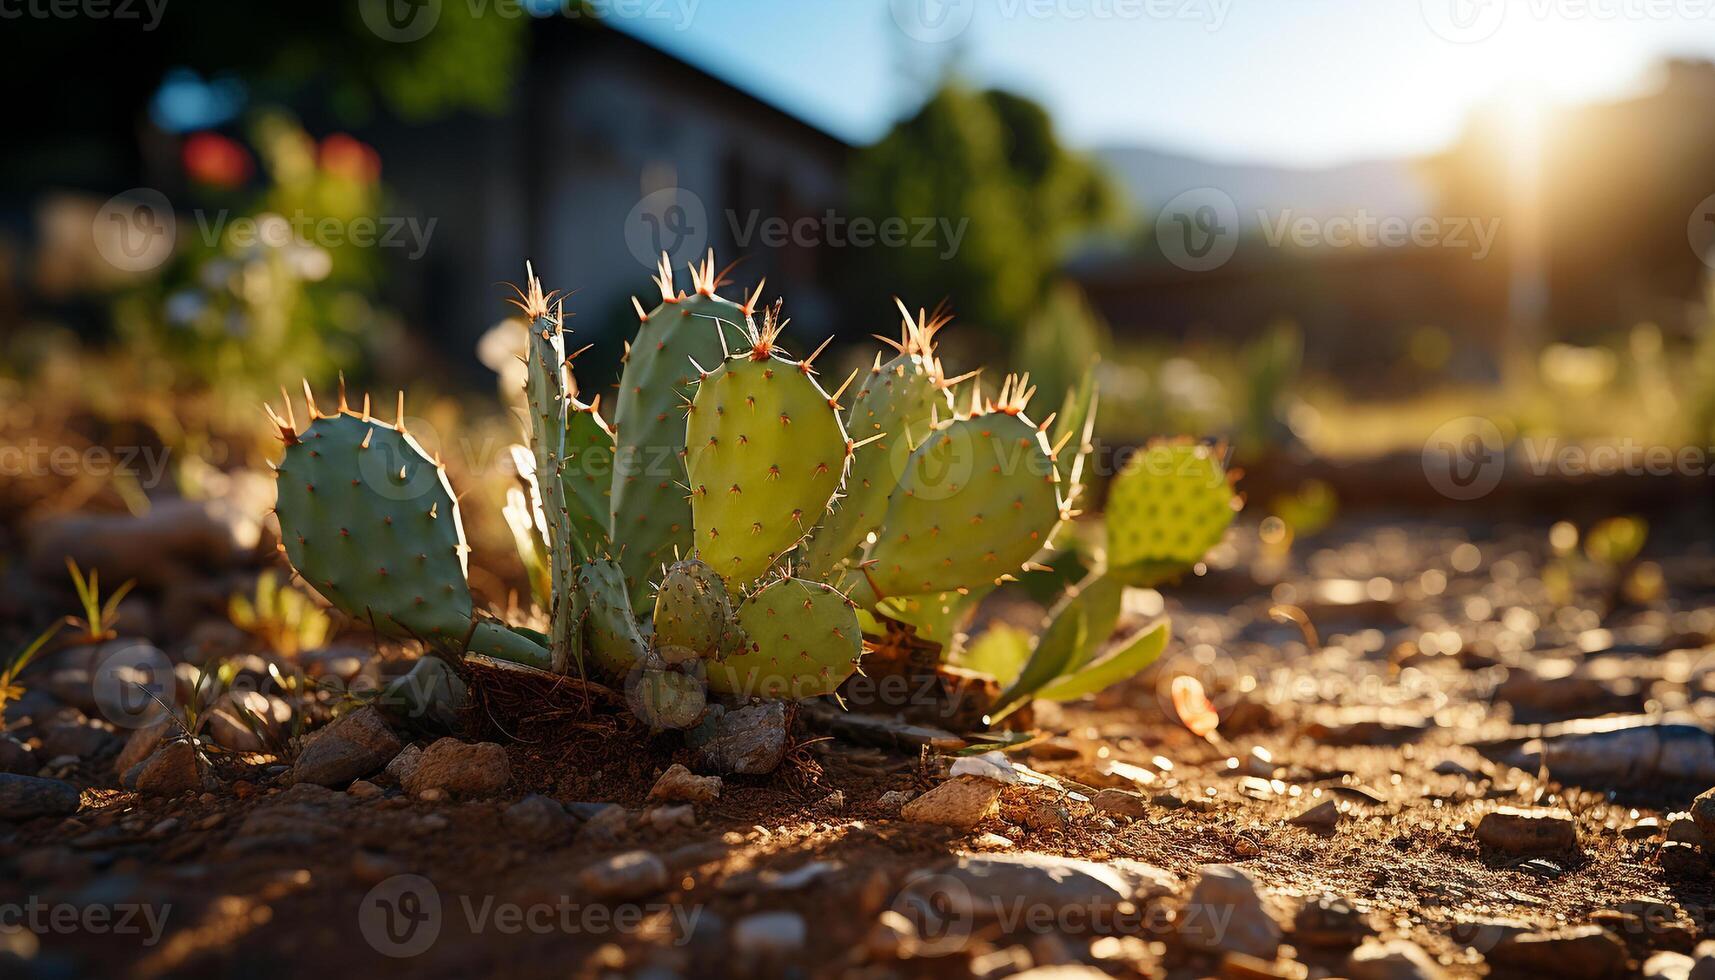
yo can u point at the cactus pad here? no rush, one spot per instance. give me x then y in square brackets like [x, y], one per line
[648, 514]
[804, 640]
[765, 453]
[691, 608]
[1170, 504]
[609, 629]
[587, 476]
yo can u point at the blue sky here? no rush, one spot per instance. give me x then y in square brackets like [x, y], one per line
[1294, 82]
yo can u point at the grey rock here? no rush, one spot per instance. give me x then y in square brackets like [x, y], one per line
[769, 934]
[1394, 960]
[1703, 813]
[461, 768]
[404, 764]
[625, 876]
[895, 799]
[141, 744]
[16, 757]
[27, 797]
[749, 741]
[1330, 921]
[536, 818]
[1122, 802]
[991, 886]
[1322, 816]
[680, 785]
[352, 747]
[431, 698]
[1224, 913]
[229, 728]
[1668, 965]
[83, 740]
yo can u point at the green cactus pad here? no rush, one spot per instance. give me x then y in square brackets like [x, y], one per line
[804, 640]
[978, 499]
[765, 453]
[895, 407]
[665, 697]
[610, 637]
[1170, 504]
[587, 476]
[691, 608]
[510, 643]
[370, 522]
[649, 516]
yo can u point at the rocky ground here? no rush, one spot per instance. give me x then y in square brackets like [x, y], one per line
[1405, 781]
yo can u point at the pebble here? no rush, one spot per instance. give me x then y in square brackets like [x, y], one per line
[537, 818]
[1045, 816]
[605, 825]
[354, 746]
[893, 800]
[1329, 920]
[626, 876]
[960, 803]
[993, 885]
[680, 785]
[81, 740]
[668, 817]
[749, 741]
[1647, 828]
[174, 768]
[1396, 959]
[16, 757]
[404, 764]
[1239, 966]
[769, 934]
[1703, 813]
[1535, 830]
[1122, 802]
[460, 768]
[28, 797]
[363, 789]
[893, 937]
[1224, 913]
[1574, 953]
[1668, 965]
[1321, 816]
[1681, 860]
[141, 744]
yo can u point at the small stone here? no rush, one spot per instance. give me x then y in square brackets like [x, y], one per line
[537, 818]
[1240, 966]
[354, 746]
[680, 785]
[461, 768]
[16, 757]
[1681, 828]
[28, 797]
[1397, 959]
[749, 741]
[433, 822]
[1576, 953]
[363, 789]
[1329, 920]
[1668, 965]
[81, 740]
[668, 817]
[960, 803]
[1703, 813]
[404, 764]
[248, 721]
[1224, 913]
[1122, 802]
[992, 841]
[174, 768]
[1537, 830]
[1045, 816]
[434, 794]
[1680, 860]
[163, 827]
[141, 744]
[626, 876]
[769, 934]
[893, 800]
[1322, 816]
[893, 937]
[1647, 828]
[1703, 961]
[992, 886]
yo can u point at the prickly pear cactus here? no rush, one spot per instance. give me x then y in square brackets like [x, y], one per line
[804, 640]
[978, 499]
[895, 406]
[587, 476]
[692, 610]
[765, 453]
[649, 518]
[370, 522]
[611, 640]
[1170, 504]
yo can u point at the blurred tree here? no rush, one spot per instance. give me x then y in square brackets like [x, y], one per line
[996, 196]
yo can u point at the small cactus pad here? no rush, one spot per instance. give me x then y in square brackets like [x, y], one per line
[665, 697]
[370, 522]
[895, 406]
[649, 516]
[505, 643]
[804, 641]
[1170, 504]
[978, 499]
[765, 454]
[611, 639]
[587, 476]
[691, 608]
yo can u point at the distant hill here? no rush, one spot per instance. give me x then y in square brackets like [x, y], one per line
[1382, 187]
